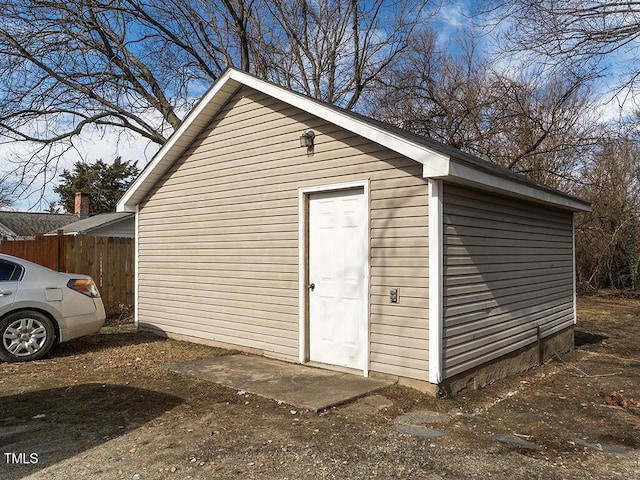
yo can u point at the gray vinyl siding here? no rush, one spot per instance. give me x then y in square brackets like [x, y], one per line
[508, 268]
[218, 236]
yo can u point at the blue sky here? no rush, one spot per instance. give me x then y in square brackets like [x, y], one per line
[451, 19]
[90, 146]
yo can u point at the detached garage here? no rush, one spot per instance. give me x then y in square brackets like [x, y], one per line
[284, 226]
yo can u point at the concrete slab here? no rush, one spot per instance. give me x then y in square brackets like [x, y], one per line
[299, 385]
[370, 405]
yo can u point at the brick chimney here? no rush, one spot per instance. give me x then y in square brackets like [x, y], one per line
[82, 205]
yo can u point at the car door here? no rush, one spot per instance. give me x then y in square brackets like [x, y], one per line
[10, 274]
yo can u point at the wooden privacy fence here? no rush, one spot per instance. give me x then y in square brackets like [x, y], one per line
[109, 261]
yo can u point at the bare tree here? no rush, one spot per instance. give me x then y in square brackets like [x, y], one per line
[599, 37]
[590, 36]
[6, 194]
[137, 67]
[78, 65]
[70, 64]
[334, 49]
[535, 125]
[608, 239]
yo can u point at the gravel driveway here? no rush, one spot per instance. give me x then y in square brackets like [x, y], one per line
[106, 407]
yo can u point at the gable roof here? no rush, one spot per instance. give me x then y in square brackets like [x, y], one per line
[438, 160]
[30, 224]
[90, 224]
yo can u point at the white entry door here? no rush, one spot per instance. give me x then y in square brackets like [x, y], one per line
[337, 262]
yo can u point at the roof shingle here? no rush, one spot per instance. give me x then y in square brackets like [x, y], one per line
[30, 224]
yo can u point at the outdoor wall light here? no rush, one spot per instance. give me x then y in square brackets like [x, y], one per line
[306, 139]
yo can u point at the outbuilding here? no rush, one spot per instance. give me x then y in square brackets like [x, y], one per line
[112, 224]
[280, 225]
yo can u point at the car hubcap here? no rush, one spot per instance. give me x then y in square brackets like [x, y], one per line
[24, 337]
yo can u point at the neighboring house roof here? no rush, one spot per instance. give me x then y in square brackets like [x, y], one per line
[30, 224]
[90, 224]
[5, 232]
[439, 161]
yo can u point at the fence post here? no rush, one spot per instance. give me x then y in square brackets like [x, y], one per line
[62, 252]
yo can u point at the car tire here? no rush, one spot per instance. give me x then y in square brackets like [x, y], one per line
[25, 335]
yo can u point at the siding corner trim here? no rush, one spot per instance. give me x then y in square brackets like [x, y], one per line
[573, 259]
[435, 280]
[136, 269]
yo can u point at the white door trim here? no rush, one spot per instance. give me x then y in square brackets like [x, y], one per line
[303, 223]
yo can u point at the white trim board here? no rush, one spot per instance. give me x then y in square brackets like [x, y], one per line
[575, 289]
[136, 269]
[455, 171]
[436, 259]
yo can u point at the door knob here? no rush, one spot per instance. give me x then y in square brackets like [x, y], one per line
[312, 287]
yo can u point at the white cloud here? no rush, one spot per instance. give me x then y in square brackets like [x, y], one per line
[89, 147]
[451, 18]
[454, 14]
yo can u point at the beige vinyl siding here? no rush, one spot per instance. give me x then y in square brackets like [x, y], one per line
[508, 268]
[218, 236]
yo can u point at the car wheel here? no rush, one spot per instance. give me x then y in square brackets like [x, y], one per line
[25, 335]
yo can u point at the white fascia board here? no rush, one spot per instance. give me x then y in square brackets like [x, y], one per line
[436, 168]
[458, 171]
[170, 150]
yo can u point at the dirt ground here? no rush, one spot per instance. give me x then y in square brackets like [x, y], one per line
[105, 407]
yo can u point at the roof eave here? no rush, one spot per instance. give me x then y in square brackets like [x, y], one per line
[457, 171]
[220, 93]
[108, 223]
[217, 96]
[436, 164]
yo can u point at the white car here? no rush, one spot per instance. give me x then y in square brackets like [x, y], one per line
[39, 306]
